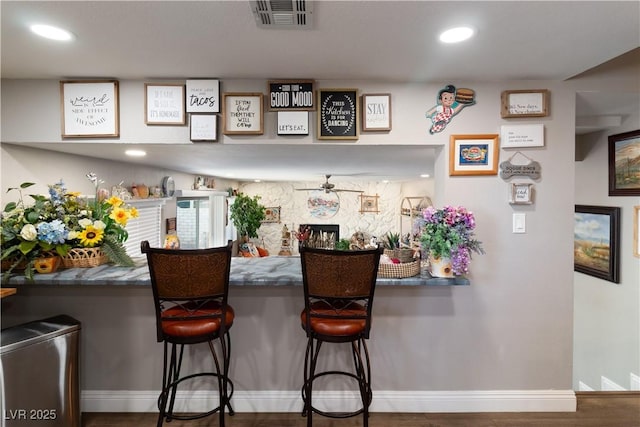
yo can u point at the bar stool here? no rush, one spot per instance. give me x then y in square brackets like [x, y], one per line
[190, 290]
[338, 297]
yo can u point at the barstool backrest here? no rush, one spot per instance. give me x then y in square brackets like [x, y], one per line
[339, 279]
[188, 277]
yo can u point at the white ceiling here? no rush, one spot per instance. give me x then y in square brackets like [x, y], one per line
[393, 41]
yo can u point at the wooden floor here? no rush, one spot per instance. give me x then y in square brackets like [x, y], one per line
[594, 410]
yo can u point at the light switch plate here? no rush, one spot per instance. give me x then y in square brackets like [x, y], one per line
[519, 223]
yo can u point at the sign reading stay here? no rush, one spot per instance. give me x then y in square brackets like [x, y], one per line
[289, 95]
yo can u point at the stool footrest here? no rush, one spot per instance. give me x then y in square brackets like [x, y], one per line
[368, 396]
[173, 416]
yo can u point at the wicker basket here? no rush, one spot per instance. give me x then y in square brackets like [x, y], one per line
[84, 257]
[405, 255]
[399, 271]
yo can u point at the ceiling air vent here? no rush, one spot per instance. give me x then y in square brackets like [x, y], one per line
[282, 14]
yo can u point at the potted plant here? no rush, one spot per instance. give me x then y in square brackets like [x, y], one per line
[247, 214]
[448, 239]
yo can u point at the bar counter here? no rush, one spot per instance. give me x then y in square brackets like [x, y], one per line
[266, 271]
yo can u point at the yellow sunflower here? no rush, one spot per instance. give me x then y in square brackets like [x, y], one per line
[133, 212]
[119, 215]
[90, 236]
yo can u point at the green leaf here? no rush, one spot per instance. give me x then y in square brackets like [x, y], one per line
[26, 247]
[116, 252]
[10, 206]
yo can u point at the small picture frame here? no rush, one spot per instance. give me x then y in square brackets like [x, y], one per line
[636, 231]
[203, 127]
[369, 204]
[164, 104]
[90, 108]
[203, 96]
[473, 154]
[338, 114]
[521, 194]
[293, 122]
[624, 173]
[243, 113]
[524, 103]
[597, 241]
[376, 112]
[522, 136]
[271, 215]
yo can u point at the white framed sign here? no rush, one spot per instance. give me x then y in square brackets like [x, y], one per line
[521, 194]
[203, 96]
[243, 113]
[164, 104]
[90, 108]
[519, 136]
[376, 112]
[293, 123]
[203, 127]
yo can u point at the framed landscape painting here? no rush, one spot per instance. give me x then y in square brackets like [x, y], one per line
[596, 241]
[624, 164]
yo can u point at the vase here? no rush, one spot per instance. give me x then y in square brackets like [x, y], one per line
[47, 264]
[440, 267]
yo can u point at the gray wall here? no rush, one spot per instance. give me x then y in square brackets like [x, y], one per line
[510, 330]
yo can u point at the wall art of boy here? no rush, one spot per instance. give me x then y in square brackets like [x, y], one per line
[449, 103]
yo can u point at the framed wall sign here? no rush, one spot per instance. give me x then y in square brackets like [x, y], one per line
[271, 214]
[636, 231]
[243, 113]
[289, 95]
[473, 154]
[203, 127]
[525, 103]
[90, 108]
[597, 241]
[338, 114]
[164, 104]
[519, 136]
[521, 194]
[293, 123]
[376, 112]
[203, 96]
[369, 204]
[624, 164]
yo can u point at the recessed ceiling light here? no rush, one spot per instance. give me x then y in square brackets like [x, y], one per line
[53, 33]
[425, 175]
[455, 35]
[257, 180]
[135, 153]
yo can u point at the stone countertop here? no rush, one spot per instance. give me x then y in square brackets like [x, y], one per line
[267, 271]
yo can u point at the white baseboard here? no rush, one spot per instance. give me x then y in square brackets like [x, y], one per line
[383, 401]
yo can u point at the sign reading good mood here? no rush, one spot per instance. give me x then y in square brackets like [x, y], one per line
[338, 114]
[289, 95]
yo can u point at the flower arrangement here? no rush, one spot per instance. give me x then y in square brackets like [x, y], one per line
[449, 233]
[56, 224]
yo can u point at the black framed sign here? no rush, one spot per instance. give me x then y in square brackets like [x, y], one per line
[290, 95]
[338, 114]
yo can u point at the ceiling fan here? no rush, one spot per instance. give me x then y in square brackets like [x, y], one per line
[329, 188]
